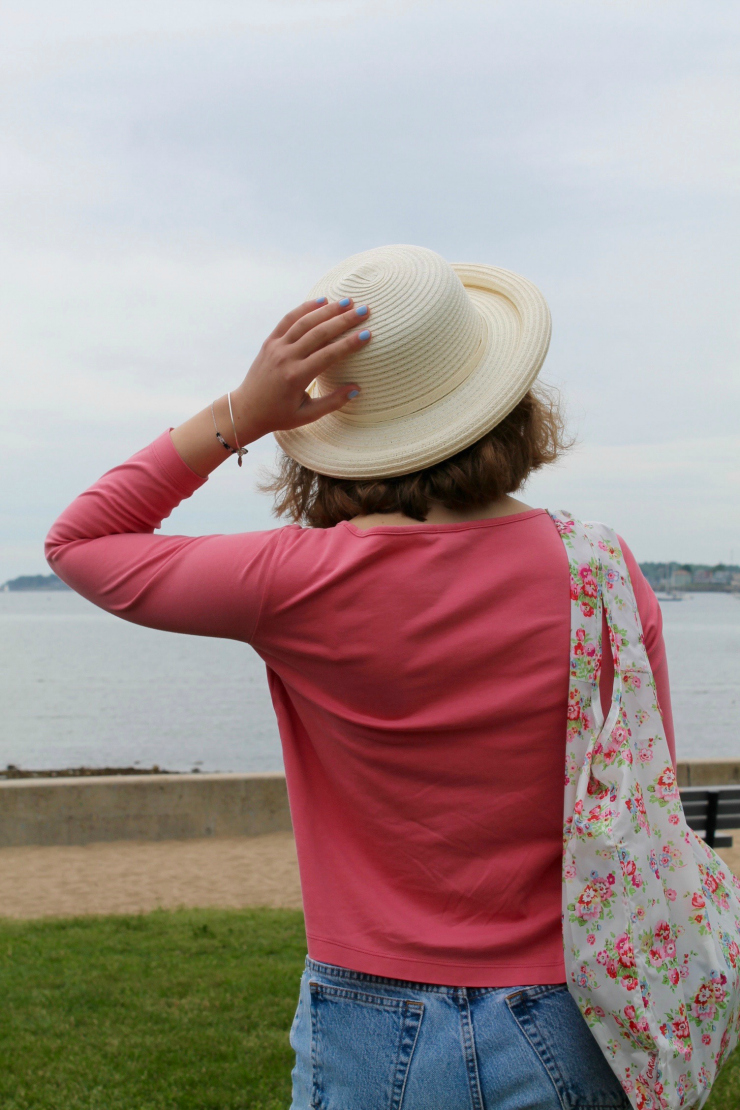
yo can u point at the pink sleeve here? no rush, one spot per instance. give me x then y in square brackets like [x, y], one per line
[103, 546]
[652, 627]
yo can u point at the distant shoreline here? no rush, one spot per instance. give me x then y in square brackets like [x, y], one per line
[13, 772]
[33, 582]
[703, 588]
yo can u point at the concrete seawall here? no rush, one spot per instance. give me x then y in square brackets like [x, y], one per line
[141, 807]
[184, 807]
[709, 772]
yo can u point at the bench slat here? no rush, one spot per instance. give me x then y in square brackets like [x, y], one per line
[691, 793]
[733, 812]
[700, 822]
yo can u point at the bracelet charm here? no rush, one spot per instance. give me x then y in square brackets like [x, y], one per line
[239, 451]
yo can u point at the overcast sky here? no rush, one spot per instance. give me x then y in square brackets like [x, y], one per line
[176, 175]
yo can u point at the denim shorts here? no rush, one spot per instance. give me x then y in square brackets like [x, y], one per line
[363, 1042]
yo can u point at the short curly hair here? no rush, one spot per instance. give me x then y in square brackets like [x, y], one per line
[499, 463]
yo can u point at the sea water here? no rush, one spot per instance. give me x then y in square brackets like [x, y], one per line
[80, 687]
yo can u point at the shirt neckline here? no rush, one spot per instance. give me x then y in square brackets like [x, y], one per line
[459, 526]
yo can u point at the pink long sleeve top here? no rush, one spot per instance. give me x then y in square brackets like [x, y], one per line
[419, 676]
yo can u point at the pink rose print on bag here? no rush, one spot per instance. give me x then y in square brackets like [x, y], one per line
[665, 788]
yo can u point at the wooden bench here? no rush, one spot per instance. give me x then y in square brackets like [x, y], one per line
[708, 808]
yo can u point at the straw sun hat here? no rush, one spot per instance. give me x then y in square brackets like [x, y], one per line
[454, 350]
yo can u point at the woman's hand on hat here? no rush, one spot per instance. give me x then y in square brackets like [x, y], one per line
[313, 338]
[307, 342]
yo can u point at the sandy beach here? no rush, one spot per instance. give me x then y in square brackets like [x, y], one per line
[134, 876]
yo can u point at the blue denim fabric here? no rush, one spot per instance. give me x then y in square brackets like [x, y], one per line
[363, 1042]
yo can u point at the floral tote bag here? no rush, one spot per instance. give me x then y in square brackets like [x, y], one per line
[651, 914]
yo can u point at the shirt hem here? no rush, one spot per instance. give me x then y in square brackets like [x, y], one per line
[440, 972]
[176, 470]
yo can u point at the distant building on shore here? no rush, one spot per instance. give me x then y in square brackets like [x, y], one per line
[680, 578]
[698, 577]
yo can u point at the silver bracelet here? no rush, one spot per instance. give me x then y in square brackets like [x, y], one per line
[227, 446]
[239, 450]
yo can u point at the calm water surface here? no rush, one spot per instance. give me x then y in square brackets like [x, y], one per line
[80, 687]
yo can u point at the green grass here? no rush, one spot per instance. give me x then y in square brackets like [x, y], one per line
[186, 1010]
[179, 1010]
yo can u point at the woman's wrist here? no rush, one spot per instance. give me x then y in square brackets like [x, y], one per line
[313, 338]
[209, 438]
[246, 425]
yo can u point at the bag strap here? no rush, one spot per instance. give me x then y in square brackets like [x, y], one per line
[584, 705]
[586, 595]
[599, 583]
[620, 603]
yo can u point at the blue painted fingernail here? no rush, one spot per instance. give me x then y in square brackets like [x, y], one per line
[363, 336]
[321, 300]
[353, 393]
[344, 302]
[362, 310]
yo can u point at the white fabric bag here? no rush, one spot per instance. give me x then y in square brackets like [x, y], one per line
[651, 914]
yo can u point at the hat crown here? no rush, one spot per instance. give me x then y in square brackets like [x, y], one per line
[426, 331]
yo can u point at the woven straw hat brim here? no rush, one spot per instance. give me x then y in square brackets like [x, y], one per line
[516, 336]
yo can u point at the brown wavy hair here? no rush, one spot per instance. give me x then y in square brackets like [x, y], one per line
[499, 463]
